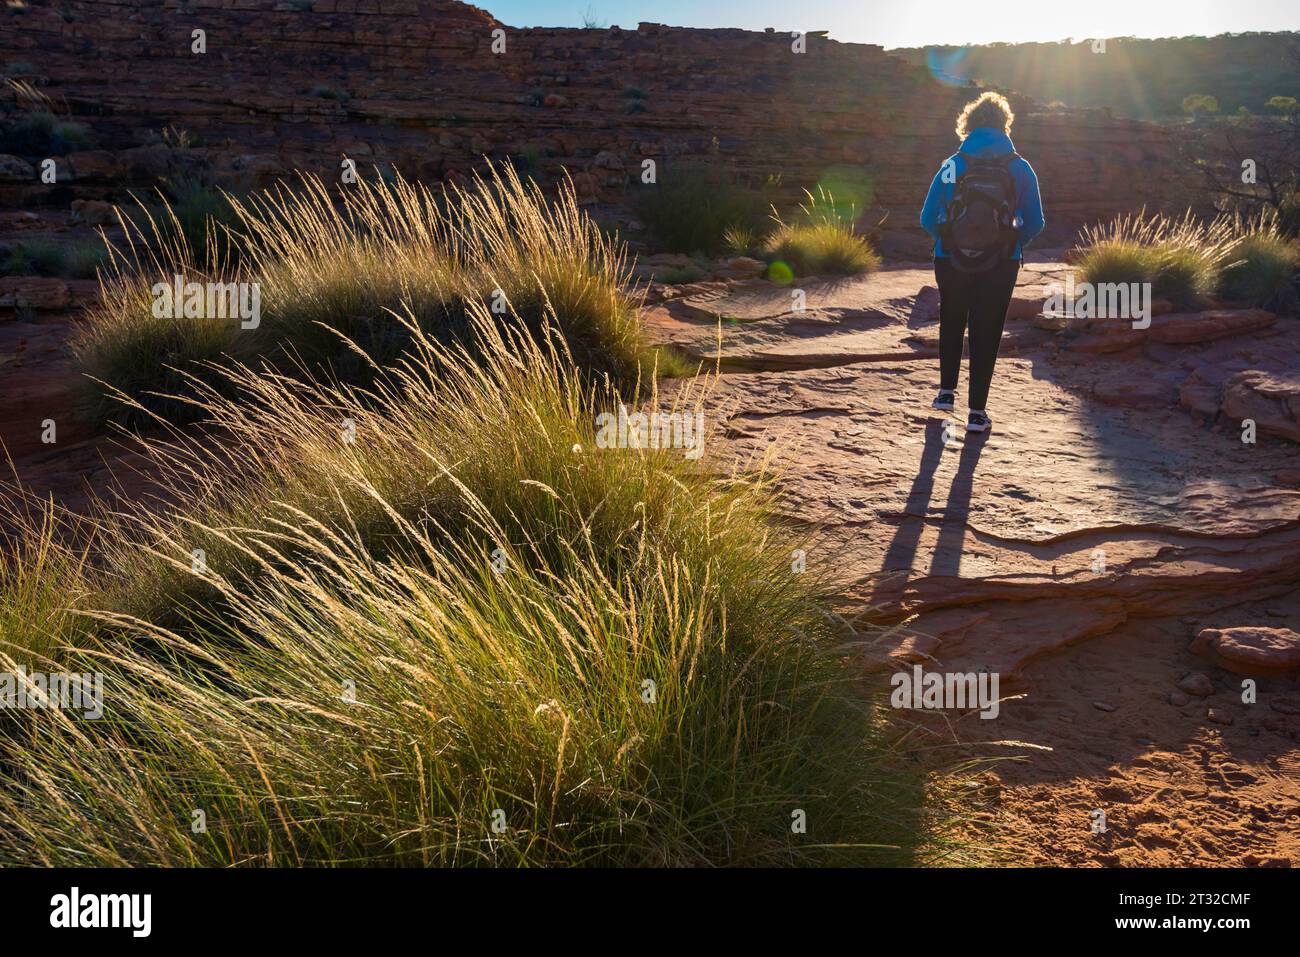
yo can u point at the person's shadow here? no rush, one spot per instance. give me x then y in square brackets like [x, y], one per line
[952, 533]
[901, 554]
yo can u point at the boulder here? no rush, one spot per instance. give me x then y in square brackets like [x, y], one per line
[93, 212]
[1250, 649]
[1273, 401]
[100, 165]
[258, 170]
[740, 267]
[1021, 308]
[32, 292]
[1195, 683]
[147, 163]
[15, 169]
[1109, 335]
[1188, 327]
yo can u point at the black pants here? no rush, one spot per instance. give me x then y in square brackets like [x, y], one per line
[978, 300]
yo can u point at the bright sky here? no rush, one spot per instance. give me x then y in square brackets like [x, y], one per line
[907, 23]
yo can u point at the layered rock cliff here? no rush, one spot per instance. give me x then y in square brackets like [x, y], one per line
[419, 84]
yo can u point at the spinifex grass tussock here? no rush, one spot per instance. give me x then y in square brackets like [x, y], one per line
[1188, 260]
[460, 634]
[333, 264]
[820, 241]
[1262, 261]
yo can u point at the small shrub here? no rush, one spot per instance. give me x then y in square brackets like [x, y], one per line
[41, 133]
[822, 249]
[84, 259]
[18, 263]
[78, 259]
[691, 208]
[680, 275]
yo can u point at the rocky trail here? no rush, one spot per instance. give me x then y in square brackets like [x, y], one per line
[1111, 517]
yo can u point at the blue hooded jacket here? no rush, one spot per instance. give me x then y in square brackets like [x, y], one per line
[986, 141]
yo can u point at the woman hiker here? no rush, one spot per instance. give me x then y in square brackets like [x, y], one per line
[983, 208]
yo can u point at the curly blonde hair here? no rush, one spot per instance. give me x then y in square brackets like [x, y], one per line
[990, 109]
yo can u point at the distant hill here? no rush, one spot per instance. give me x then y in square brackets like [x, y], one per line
[1146, 79]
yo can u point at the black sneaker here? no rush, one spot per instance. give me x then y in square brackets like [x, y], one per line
[944, 400]
[978, 422]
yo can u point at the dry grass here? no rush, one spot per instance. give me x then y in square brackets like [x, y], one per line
[501, 715]
[819, 242]
[1188, 260]
[333, 266]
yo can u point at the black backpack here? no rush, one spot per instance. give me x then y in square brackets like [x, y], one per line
[979, 229]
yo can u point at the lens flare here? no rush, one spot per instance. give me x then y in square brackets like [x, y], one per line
[948, 68]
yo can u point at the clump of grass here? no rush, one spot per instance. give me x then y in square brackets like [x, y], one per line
[821, 241]
[1185, 259]
[1261, 263]
[333, 269]
[1111, 259]
[179, 138]
[740, 239]
[79, 259]
[348, 679]
[1181, 257]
